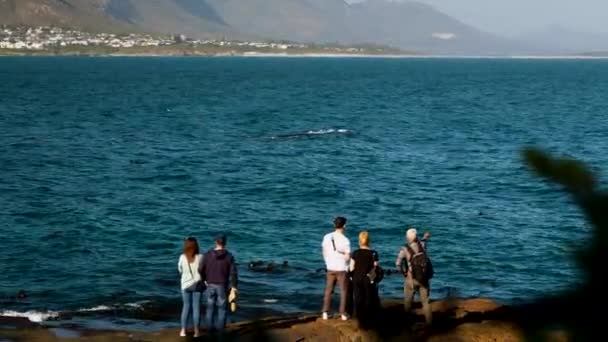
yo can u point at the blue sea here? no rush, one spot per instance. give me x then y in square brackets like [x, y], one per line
[107, 164]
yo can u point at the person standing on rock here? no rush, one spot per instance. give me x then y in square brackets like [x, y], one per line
[189, 266]
[336, 253]
[417, 269]
[365, 273]
[220, 274]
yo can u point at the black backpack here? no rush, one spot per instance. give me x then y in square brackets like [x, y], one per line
[422, 267]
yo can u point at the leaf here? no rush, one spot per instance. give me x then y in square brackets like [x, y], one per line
[570, 173]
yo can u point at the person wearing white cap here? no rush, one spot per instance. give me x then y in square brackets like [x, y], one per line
[417, 269]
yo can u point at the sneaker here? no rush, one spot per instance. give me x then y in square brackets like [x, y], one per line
[182, 333]
[344, 317]
[325, 316]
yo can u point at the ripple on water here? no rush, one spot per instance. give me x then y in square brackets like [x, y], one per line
[110, 195]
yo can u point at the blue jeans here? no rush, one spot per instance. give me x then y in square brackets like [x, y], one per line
[216, 300]
[192, 300]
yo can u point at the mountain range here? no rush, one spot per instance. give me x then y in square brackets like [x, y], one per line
[405, 24]
[564, 40]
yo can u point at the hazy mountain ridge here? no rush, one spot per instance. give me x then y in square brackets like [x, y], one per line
[278, 19]
[415, 24]
[191, 17]
[82, 14]
[565, 40]
[405, 24]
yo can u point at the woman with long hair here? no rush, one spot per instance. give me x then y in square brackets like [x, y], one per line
[365, 289]
[189, 265]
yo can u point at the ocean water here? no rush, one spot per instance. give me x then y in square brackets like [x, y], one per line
[107, 164]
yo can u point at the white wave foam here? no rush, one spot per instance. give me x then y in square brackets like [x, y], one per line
[40, 316]
[96, 308]
[312, 132]
[33, 316]
[328, 131]
[137, 305]
[270, 301]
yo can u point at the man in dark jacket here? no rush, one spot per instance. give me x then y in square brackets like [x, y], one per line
[220, 274]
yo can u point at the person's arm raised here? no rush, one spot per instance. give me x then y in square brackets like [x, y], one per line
[426, 236]
[425, 240]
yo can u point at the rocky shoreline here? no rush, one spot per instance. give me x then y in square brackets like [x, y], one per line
[455, 320]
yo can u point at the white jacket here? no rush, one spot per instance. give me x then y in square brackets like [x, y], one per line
[336, 252]
[189, 271]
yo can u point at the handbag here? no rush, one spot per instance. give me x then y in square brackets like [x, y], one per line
[376, 274]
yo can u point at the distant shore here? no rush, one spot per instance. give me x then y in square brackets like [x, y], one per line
[56, 41]
[5, 53]
[312, 54]
[212, 49]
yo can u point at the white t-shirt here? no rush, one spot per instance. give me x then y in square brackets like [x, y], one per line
[336, 260]
[190, 274]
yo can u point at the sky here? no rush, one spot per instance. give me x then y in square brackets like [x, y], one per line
[514, 17]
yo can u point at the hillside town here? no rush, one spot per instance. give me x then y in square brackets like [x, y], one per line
[40, 39]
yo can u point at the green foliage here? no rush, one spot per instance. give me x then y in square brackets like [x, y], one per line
[581, 309]
[568, 172]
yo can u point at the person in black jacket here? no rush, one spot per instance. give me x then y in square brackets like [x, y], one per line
[366, 300]
[220, 275]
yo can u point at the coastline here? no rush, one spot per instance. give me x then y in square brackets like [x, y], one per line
[207, 55]
[476, 319]
[295, 55]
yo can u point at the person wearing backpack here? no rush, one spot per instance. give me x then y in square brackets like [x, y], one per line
[366, 274]
[416, 267]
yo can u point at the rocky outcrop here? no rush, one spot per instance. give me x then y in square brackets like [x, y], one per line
[473, 320]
